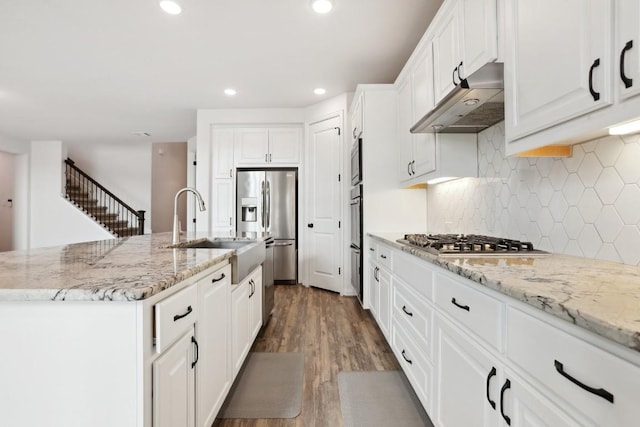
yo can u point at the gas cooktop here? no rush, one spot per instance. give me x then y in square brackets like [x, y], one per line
[470, 245]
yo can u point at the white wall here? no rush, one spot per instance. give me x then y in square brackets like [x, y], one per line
[21, 190]
[124, 169]
[168, 175]
[53, 220]
[7, 192]
[585, 205]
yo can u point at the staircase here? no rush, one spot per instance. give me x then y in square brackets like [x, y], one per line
[100, 204]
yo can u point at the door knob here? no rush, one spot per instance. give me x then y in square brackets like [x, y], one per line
[310, 225]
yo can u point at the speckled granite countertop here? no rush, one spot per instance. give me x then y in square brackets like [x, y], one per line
[128, 269]
[603, 297]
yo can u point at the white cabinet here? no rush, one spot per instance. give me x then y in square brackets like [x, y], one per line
[213, 373]
[268, 146]
[356, 118]
[374, 289]
[223, 171]
[384, 308]
[558, 70]
[174, 384]
[467, 378]
[627, 46]
[223, 206]
[246, 316]
[222, 152]
[465, 38]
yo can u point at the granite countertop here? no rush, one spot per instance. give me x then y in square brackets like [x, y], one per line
[127, 269]
[601, 296]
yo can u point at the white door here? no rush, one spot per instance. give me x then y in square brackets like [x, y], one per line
[174, 385]
[325, 196]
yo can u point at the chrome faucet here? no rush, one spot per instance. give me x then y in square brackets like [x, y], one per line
[176, 222]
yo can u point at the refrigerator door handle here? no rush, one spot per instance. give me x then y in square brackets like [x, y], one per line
[268, 221]
[262, 213]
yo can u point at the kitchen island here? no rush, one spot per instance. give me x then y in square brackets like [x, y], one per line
[516, 340]
[126, 332]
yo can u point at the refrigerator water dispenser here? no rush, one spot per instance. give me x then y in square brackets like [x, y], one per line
[249, 209]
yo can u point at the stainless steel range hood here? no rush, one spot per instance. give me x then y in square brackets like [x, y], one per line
[475, 104]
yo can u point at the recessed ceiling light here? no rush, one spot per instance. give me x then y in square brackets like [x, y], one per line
[230, 92]
[172, 7]
[322, 6]
[319, 91]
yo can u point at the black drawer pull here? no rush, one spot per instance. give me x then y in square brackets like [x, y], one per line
[405, 358]
[214, 280]
[180, 316]
[464, 307]
[195, 362]
[383, 256]
[597, 391]
[594, 94]
[505, 387]
[371, 249]
[626, 80]
[404, 308]
[491, 375]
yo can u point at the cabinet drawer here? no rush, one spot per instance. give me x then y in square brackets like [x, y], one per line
[385, 257]
[558, 360]
[480, 313]
[411, 312]
[175, 315]
[415, 366]
[415, 273]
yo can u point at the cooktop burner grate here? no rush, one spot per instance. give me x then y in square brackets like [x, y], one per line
[470, 244]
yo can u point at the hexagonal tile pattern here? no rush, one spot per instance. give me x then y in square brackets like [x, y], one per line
[627, 244]
[584, 205]
[627, 165]
[590, 170]
[628, 204]
[589, 205]
[608, 186]
[589, 241]
[608, 150]
[608, 224]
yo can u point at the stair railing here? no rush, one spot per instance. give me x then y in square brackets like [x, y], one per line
[98, 194]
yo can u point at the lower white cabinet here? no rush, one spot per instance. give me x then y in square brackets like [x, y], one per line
[174, 384]
[246, 316]
[384, 308]
[212, 370]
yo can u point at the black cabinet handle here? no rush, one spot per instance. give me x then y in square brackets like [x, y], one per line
[194, 363]
[453, 76]
[408, 313]
[375, 274]
[597, 391]
[354, 133]
[464, 307]
[505, 387]
[491, 375]
[594, 94]
[185, 314]
[409, 168]
[383, 256]
[371, 249]
[413, 169]
[626, 80]
[214, 280]
[405, 358]
[310, 225]
[459, 76]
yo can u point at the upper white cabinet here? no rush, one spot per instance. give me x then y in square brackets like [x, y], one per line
[222, 152]
[627, 46]
[267, 147]
[465, 38]
[558, 62]
[356, 118]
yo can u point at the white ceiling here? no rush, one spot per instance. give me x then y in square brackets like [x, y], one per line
[86, 71]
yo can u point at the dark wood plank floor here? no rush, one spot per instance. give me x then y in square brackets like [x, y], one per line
[335, 334]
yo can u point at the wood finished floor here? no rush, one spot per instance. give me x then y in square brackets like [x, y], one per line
[335, 334]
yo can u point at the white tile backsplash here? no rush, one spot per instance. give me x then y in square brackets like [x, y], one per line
[586, 205]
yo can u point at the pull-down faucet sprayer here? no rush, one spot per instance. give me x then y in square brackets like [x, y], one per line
[176, 222]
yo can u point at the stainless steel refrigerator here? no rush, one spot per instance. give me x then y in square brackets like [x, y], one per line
[266, 203]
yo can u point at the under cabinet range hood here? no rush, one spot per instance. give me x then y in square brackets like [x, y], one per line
[476, 103]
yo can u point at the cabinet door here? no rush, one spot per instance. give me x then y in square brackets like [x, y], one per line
[223, 205]
[557, 62]
[479, 34]
[174, 385]
[446, 52]
[525, 407]
[222, 152]
[356, 118]
[251, 146]
[466, 380]
[240, 326]
[255, 304]
[284, 145]
[384, 310]
[374, 290]
[405, 121]
[627, 46]
[213, 369]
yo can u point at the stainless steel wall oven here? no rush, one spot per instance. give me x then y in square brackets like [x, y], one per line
[356, 240]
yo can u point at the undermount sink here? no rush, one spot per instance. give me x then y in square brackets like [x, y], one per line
[247, 253]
